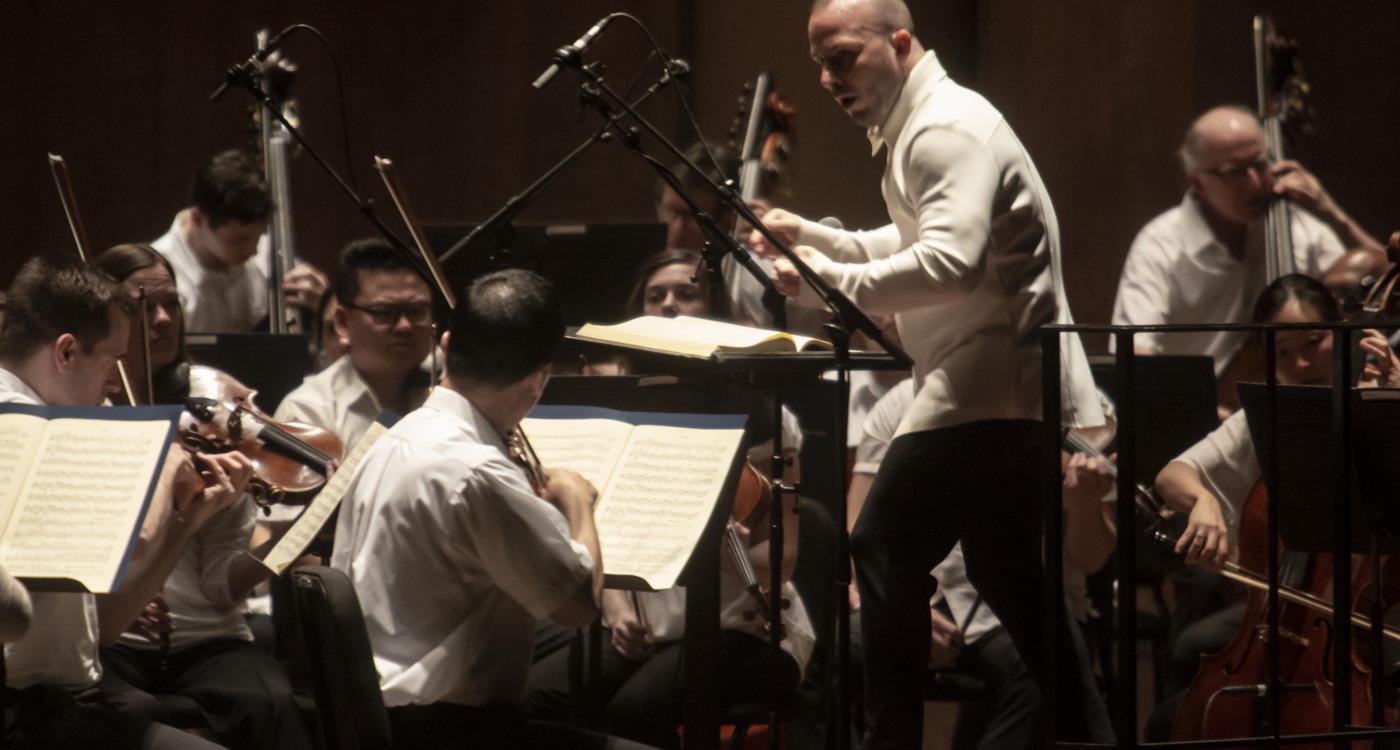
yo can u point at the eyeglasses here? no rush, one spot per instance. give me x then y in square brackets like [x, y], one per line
[387, 315]
[1237, 171]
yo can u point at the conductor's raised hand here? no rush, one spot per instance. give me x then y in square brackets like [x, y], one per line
[785, 275]
[785, 224]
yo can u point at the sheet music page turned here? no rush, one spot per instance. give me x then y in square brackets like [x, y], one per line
[80, 506]
[657, 486]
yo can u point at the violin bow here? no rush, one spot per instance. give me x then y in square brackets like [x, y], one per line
[69, 200]
[390, 176]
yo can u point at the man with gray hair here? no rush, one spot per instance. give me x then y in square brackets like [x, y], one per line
[969, 267]
[1204, 260]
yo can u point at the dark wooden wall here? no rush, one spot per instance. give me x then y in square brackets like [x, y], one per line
[1099, 92]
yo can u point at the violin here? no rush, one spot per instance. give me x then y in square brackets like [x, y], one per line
[289, 459]
[753, 501]
[524, 454]
[69, 200]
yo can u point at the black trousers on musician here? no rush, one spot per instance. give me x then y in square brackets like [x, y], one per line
[448, 725]
[243, 693]
[645, 700]
[43, 717]
[980, 483]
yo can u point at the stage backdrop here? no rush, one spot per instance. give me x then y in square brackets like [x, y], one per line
[1099, 92]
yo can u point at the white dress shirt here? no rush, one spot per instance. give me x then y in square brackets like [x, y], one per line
[453, 557]
[202, 608]
[1228, 467]
[335, 399]
[232, 301]
[60, 648]
[969, 265]
[1178, 273]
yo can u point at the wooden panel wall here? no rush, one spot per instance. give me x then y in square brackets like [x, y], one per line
[1099, 92]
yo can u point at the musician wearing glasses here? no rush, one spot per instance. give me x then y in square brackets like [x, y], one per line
[1204, 260]
[384, 312]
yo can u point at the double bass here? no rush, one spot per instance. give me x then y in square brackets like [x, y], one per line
[1284, 111]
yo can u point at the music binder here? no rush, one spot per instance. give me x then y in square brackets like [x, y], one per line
[75, 487]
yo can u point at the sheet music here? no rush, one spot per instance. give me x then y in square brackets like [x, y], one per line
[589, 446]
[19, 439]
[83, 499]
[309, 523]
[657, 484]
[656, 506]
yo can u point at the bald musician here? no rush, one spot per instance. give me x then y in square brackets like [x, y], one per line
[969, 266]
[1203, 260]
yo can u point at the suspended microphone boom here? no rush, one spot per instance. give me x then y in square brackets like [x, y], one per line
[570, 54]
[246, 68]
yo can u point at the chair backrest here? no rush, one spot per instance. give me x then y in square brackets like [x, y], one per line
[348, 702]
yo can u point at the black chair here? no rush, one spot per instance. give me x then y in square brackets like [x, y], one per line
[350, 707]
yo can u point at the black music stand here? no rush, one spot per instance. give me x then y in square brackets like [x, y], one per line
[1175, 404]
[1307, 463]
[590, 264]
[701, 575]
[1377, 446]
[702, 384]
[273, 364]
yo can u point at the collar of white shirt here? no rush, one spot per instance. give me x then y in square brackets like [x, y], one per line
[927, 72]
[13, 390]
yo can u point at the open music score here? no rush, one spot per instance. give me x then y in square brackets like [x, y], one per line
[659, 477]
[697, 337]
[75, 485]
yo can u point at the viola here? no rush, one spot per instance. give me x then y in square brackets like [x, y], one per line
[290, 460]
[753, 501]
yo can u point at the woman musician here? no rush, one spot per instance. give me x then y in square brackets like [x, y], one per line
[1210, 481]
[193, 639]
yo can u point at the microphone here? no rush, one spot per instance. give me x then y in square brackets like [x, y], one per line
[245, 68]
[831, 221]
[677, 68]
[570, 54]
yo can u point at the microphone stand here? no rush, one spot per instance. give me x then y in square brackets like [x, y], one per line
[240, 76]
[847, 318]
[499, 222]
